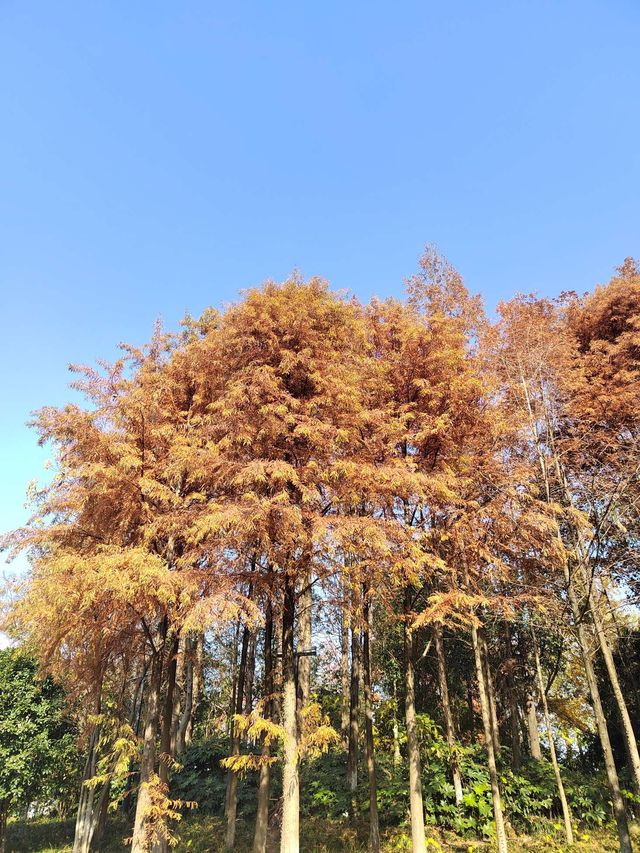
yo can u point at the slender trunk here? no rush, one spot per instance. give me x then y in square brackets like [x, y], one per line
[397, 758]
[354, 709]
[304, 640]
[344, 676]
[601, 723]
[610, 766]
[290, 834]
[178, 696]
[413, 750]
[532, 728]
[3, 826]
[162, 845]
[167, 714]
[446, 711]
[251, 672]
[140, 841]
[512, 699]
[374, 828]
[262, 810]
[196, 689]
[566, 814]
[630, 741]
[501, 836]
[491, 691]
[232, 775]
[84, 817]
[100, 814]
[187, 705]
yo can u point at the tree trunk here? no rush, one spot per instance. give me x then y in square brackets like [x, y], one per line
[290, 834]
[512, 699]
[251, 672]
[304, 640]
[193, 651]
[413, 749]
[167, 714]
[162, 845]
[601, 723]
[566, 814]
[197, 687]
[397, 757]
[84, 817]
[140, 841]
[231, 808]
[374, 828]
[603, 733]
[344, 676]
[631, 743]
[501, 836]
[490, 691]
[262, 810]
[354, 709]
[446, 710]
[3, 826]
[532, 728]
[178, 700]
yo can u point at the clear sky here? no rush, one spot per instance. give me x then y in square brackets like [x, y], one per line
[156, 157]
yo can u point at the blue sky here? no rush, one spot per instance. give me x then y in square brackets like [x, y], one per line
[155, 158]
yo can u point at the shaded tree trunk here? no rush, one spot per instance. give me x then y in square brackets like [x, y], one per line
[85, 814]
[231, 808]
[413, 751]
[344, 677]
[139, 842]
[501, 836]
[490, 691]
[354, 709]
[566, 814]
[374, 828]
[3, 825]
[601, 723]
[446, 710]
[304, 640]
[290, 833]
[532, 728]
[397, 758]
[251, 672]
[262, 809]
[630, 742]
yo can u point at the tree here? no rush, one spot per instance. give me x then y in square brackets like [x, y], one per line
[38, 759]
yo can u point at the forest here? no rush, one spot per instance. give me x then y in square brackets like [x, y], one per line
[312, 573]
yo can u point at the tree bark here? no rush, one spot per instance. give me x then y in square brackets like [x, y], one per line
[344, 676]
[3, 826]
[84, 817]
[232, 775]
[446, 710]
[601, 723]
[490, 691]
[566, 814]
[262, 810]
[532, 728]
[290, 833]
[631, 743]
[251, 672]
[374, 827]
[501, 836]
[397, 757]
[305, 610]
[413, 750]
[354, 710]
[148, 764]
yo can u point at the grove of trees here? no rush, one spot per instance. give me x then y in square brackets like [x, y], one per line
[398, 541]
